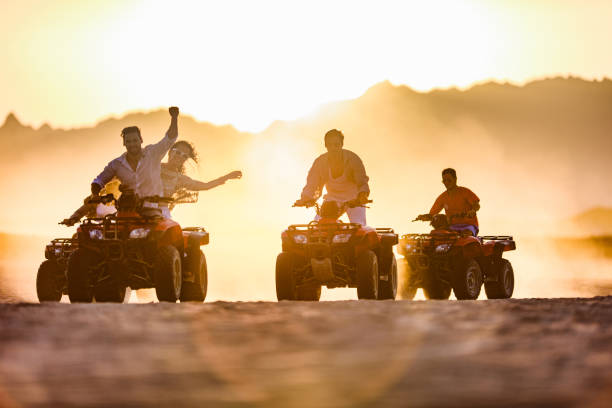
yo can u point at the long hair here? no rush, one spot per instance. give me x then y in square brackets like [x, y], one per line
[193, 154]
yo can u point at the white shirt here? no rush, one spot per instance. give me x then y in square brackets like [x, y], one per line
[146, 179]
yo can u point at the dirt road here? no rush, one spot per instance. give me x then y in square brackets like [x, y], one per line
[548, 352]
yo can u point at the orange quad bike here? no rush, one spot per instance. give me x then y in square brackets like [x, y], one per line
[137, 248]
[336, 254]
[445, 260]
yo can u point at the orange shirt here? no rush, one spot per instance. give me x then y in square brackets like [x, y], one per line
[459, 201]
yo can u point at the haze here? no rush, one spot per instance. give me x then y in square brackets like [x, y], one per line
[537, 154]
[71, 63]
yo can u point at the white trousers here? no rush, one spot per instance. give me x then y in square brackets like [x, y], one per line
[356, 215]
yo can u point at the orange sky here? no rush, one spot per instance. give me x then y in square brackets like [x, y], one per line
[248, 63]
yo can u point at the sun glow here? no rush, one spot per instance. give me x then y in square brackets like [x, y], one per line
[249, 63]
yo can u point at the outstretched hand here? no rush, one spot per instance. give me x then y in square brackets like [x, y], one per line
[234, 175]
[424, 217]
[69, 222]
[362, 197]
[303, 203]
[174, 111]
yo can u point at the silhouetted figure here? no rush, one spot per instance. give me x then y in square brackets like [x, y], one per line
[139, 169]
[173, 175]
[343, 175]
[459, 203]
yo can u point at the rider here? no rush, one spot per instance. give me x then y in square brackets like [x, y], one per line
[459, 203]
[173, 175]
[343, 175]
[95, 209]
[139, 169]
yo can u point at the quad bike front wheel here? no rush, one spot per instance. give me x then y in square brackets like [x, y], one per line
[80, 289]
[111, 292]
[436, 291]
[196, 291]
[504, 286]
[367, 275]
[467, 280]
[434, 288]
[387, 289]
[48, 286]
[311, 293]
[285, 279]
[167, 274]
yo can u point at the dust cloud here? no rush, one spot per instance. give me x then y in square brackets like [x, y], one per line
[529, 171]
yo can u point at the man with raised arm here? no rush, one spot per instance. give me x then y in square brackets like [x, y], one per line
[343, 175]
[139, 169]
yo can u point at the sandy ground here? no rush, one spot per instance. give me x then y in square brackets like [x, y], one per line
[522, 352]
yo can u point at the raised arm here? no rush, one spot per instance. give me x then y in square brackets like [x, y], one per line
[195, 185]
[161, 148]
[173, 129]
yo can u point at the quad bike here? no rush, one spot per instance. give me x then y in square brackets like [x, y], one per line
[336, 254]
[137, 248]
[51, 276]
[446, 260]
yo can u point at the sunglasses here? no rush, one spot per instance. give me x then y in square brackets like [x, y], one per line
[180, 153]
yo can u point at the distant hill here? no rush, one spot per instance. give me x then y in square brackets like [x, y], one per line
[534, 152]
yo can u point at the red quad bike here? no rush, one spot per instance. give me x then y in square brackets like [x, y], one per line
[51, 276]
[336, 254]
[137, 248]
[444, 259]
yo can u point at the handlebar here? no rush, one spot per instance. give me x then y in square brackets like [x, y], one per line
[105, 199]
[347, 204]
[429, 217]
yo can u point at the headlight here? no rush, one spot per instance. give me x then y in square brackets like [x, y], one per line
[57, 251]
[443, 248]
[300, 239]
[408, 246]
[341, 238]
[139, 233]
[96, 234]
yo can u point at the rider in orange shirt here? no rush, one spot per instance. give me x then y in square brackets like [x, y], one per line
[459, 203]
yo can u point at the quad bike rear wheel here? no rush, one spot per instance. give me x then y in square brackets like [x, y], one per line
[367, 275]
[467, 280]
[196, 291]
[48, 286]
[285, 278]
[79, 275]
[387, 289]
[504, 286]
[167, 274]
[406, 288]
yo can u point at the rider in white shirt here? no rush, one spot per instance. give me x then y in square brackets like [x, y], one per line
[139, 169]
[342, 174]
